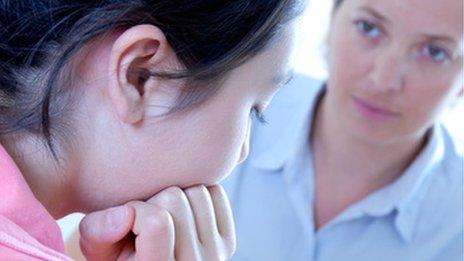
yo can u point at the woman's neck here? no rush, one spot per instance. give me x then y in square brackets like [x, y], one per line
[348, 169]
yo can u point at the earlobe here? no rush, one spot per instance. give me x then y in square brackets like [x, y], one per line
[135, 52]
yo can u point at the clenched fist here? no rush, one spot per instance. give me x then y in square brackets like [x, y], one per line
[175, 224]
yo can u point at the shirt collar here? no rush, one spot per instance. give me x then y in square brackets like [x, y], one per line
[403, 197]
[412, 186]
[19, 205]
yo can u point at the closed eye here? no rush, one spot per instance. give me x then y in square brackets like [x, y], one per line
[289, 79]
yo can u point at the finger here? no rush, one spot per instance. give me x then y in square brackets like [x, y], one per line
[154, 231]
[176, 203]
[224, 217]
[101, 231]
[203, 212]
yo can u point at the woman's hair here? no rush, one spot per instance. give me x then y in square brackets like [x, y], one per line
[39, 40]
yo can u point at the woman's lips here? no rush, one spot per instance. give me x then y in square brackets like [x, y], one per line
[373, 112]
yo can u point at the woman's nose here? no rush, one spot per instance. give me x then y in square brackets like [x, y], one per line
[389, 67]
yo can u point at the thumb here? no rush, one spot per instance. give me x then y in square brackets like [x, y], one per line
[101, 231]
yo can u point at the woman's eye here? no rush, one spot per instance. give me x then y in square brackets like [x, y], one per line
[368, 29]
[258, 115]
[435, 53]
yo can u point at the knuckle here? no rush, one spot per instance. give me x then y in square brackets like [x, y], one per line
[174, 192]
[159, 223]
[216, 188]
[216, 191]
[173, 198]
[196, 191]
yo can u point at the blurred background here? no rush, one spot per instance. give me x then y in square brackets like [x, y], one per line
[310, 61]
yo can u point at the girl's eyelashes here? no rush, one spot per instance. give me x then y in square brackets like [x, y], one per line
[257, 113]
[289, 80]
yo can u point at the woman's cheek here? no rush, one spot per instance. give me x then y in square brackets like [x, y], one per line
[432, 103]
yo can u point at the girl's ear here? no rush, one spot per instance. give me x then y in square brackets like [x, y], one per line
[135, 52]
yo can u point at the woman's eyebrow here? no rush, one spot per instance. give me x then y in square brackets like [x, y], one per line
[381, 17]
[442, 38]
[374, 13]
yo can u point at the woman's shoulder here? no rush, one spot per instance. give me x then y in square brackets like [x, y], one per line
[453, 160]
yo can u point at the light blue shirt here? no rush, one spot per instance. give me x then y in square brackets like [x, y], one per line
[417, 217]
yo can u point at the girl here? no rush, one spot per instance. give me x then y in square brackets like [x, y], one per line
[108, 102]
[364, 168]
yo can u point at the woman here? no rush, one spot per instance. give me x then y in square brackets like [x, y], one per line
[361, 167]
[104, 104]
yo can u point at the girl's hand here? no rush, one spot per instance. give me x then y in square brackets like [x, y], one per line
[195, 224]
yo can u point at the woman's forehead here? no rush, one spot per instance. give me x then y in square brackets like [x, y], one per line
[425, 17]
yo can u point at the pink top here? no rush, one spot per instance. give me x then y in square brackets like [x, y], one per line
[27, 230]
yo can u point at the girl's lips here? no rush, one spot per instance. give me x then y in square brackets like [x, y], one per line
[372, 111]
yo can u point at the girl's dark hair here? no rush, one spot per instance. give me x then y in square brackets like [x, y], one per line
[39, 40]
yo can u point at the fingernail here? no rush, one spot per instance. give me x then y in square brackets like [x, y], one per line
[116, 217]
